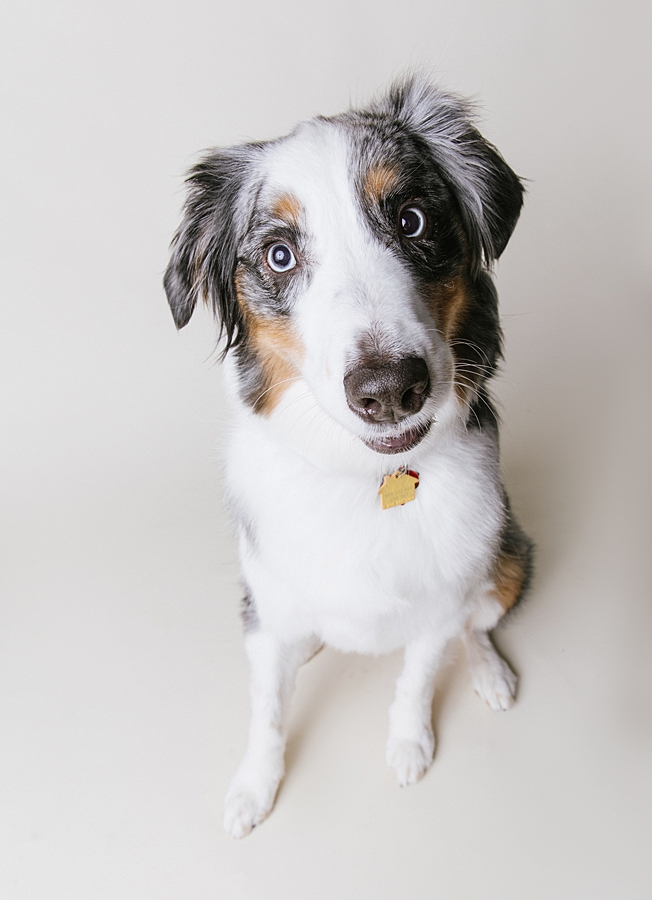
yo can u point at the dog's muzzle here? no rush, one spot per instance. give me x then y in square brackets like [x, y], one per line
[389, 392]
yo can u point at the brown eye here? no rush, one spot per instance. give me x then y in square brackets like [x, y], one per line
[280, 258]
[413, 221]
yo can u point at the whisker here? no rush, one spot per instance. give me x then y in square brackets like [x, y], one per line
[316, 411]
[318, 414]
[473, 346]
[271, 388]
[467, 402]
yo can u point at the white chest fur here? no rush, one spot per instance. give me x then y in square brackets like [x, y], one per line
[322, 557]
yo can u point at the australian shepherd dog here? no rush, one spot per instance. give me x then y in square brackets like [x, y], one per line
[349, 267]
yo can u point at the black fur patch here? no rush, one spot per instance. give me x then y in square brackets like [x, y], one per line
[441, 250]
[488, 192]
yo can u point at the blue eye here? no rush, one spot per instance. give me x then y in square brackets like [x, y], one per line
[413, 221]
[280, 258]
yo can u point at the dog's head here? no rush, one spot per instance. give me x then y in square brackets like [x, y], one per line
[348, 266]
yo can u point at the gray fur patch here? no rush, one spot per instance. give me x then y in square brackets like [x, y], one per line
[249, 612]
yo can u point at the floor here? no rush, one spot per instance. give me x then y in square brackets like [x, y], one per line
[123, 682]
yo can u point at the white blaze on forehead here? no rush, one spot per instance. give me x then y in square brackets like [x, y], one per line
[313, 165]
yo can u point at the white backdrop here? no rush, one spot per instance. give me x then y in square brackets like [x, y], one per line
[123, 698]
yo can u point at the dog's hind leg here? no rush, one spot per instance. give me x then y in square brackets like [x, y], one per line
[251, 794]
[492, 679]
[411, 743]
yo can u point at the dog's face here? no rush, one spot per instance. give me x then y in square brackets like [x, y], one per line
[347, 263]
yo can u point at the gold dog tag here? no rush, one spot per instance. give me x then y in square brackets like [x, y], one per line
[399, 487]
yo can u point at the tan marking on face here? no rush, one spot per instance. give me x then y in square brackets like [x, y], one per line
[379, 181]
[287, 208]
[509, 577]
[278, 350]
[453, 303]
[448, 302]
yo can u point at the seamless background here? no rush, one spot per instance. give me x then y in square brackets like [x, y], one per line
[123, 684]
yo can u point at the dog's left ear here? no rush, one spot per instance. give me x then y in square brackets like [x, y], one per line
[489, 193]
[204, 249]
[492, 197]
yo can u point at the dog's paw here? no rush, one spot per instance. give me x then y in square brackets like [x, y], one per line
[495, 683]
[246, 806]
[410, 758]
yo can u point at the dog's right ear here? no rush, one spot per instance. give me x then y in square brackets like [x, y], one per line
[204, 249]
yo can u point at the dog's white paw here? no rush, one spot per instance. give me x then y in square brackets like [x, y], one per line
[495, 683]
[410, 758]
[247, 805]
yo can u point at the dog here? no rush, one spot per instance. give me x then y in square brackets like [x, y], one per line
[349, 266]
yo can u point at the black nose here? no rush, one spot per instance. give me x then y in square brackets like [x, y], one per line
[388, 392]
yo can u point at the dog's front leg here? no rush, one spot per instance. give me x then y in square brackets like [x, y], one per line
[251, 794]
[411, 743]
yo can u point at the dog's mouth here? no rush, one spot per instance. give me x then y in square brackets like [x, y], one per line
[399, 443]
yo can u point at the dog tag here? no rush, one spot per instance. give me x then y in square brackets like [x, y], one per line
[399, 487]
